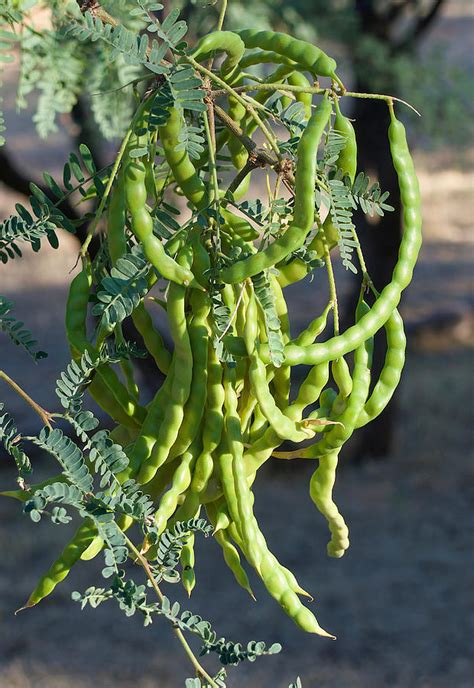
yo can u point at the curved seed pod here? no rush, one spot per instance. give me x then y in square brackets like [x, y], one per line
[282, 377]
[342, 376]
[231, 554]
[264, 56]
[305, 54]
[106, 389]
[188, 575]
[199, 340]
[221, 41]
[180, 388]
[232, 559]
[321, 487]
[213, 424]
[391, 371]
[179, 484]
[285, 428]
[143, 446]
[142, 222]
[63, 564]
[183, 170]
[311, 387]
[244, 517]
[314, 329]
[389, 298]
[347, 159]
[116, 238]
[303, 216]
[339, 434]
[298, 79]
[152, 338]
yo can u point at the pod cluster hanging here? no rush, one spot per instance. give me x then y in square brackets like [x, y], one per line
[224, 408]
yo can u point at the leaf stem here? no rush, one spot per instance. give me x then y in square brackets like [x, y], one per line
[234, 312]
[103, 200]
[220, 23]
[332, 282]
[42, 413]
[313, 89]
[248, 106]
[178, 633]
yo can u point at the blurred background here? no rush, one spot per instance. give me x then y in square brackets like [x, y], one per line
[401, 601]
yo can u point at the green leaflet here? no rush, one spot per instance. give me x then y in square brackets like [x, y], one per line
[121, 291]
[9, 438]
[68, 455]
[17, 333]
[266, 299]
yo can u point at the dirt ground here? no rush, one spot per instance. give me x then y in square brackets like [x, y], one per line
[401, 601]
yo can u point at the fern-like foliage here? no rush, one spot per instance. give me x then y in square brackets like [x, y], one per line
[31, 230]
[135, 49]
[116, 553]
[68, 455]
[10, 438]
[293, 119]
[112, 100]
[185, 89]
[107, 458]
[79, 174]
[70, 386]
[341, 216]
[121, 291]
[266, 298]
[369, 196]
[17, 332]
[165, 225]
[72, 382]
[52, 65]
[131, 501]
[221, 321]
[191, 140]
[57, 493]
[170, 545]
[335, 143]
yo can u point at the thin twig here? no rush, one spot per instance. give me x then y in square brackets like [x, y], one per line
[103, 200]
[312, 89]
[230, 90]
[178, 633]
[332, 282]
[234, 312]
[44, 415]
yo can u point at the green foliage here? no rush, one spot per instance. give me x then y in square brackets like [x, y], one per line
[10, 438]
[68, 455]
[221, 319]
[108, 459]
[17, 332]
[31, 227]
[191, 140]
[266, 299]
[296, 684]
[72, 382]
[58, 493]
[170, 545]
[121, 291]
[341, 216]
[185, 87]
[111, 89]
[368, 196]
[135, 49]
